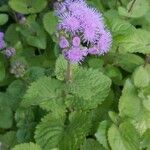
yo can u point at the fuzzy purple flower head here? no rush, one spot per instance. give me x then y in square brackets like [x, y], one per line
[84, 28]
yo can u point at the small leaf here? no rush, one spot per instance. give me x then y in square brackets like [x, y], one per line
[141, 77]
[3, 19]
[50, 22]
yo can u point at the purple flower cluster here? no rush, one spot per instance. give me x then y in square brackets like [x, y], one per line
[2, 42]
[9, 52]
[78, 24]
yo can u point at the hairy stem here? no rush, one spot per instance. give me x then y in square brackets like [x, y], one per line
[129, 10]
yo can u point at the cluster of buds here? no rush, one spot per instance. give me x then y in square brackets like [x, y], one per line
[18, 69]
[81, 30]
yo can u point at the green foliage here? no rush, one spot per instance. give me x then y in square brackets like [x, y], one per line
[102, 103]
[52, 132]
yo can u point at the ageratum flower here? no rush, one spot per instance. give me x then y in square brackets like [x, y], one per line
[76, 55]
[9, 52]
[82, 25]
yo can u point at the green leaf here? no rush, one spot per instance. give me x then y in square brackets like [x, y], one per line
[50, 22]
[90, 87]
[28, 6]
[8, 140]
[52, 133]
[6, 117]
[130, 105]
[45, 92]
[123, 137]
[34, 35]
[141, 77]
[138, 41]
[101, 134]
[27, 146]
[135, 9]
[3, 19]
[11, 35]
[114, 73]
[91, 144]
[128, 61]
[15, 92]
[34, 73]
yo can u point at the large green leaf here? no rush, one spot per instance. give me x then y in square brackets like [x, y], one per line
[27, 146]
[90, 87]
[45, 92]
[27, 6]
[123, 137]
[131, 105]
[52, 132]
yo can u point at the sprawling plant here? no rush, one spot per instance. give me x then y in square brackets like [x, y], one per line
[74, 75]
